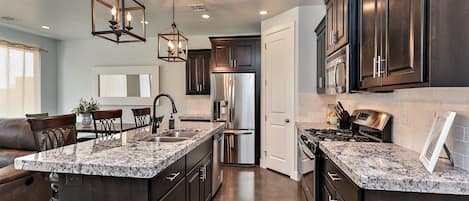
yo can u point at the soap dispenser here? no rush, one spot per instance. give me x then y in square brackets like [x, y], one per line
[171, 122]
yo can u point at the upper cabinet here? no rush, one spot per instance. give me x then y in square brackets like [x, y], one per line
[391, 42]
[337, 25]
[414, 43]
[321, 56]
[198, 72]
[235, 54]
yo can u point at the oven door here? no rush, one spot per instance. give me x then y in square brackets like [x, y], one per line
[307, 165]
[337, 72]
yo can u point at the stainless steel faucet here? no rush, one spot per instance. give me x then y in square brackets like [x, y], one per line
[155, 122]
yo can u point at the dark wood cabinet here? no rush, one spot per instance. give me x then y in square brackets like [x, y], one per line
[178, 193]
[337, 24]
[199, 181]
[235, 54]
[193, 185]
[198, 72]
[415, 43]
[321, 56]
[391, 42]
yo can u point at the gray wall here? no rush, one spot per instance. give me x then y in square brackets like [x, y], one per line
[48, 64]
[77, 58]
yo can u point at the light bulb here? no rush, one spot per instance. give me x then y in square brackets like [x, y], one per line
[129, 17]
[180, 45]
[114, 11]
[170, 45]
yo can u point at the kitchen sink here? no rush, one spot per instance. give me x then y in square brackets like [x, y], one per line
[180, 133]
[171, 139]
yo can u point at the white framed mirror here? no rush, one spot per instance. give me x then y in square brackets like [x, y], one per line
[126, 85]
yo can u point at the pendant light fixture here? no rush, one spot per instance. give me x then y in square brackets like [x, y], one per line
[173, 45]
[116, 25]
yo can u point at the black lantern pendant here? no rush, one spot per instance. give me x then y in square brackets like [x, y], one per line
[117, 26]
[173, 45]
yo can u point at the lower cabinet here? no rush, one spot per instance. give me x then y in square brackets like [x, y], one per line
[177, 193]
[199, 181]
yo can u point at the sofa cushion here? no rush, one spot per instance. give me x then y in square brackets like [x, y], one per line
[16, 134]
[7, 156]
[9, 173]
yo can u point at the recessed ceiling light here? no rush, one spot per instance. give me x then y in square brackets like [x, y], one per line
[45, 27]
[263, 12]
[205, 16]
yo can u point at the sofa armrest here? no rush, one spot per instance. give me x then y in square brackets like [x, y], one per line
[7, 156]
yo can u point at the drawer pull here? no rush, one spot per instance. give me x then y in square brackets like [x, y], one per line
[330, 198]
[334, 176]
[172, 176]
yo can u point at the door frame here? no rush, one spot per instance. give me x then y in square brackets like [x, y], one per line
[293, 173]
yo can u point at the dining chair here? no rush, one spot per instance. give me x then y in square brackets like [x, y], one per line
[54, 131]
[104, 122]
[38, 115]
[51, 133]
[142, 116]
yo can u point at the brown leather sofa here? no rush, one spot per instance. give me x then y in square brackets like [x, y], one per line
[16, 139]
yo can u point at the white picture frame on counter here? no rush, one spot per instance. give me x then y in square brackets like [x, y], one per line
[436, 139]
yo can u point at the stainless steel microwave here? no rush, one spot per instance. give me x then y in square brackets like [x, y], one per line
[337, 72]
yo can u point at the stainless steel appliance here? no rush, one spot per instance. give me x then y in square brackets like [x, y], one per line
[217, 174]
[367, 126]
[338, 72]
[233, 100]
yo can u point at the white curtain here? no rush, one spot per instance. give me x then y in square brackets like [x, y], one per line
[20, 81]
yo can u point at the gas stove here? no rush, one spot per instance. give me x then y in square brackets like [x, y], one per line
[367, 126]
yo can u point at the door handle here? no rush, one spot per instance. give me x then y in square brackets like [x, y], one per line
[287, 121]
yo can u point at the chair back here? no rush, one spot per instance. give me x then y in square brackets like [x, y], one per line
[38, 115]
[105, 122]
[142, 116]
[54, 132]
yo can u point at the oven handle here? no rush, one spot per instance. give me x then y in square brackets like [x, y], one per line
[306, 150]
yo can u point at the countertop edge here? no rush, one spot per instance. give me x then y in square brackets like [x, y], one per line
[67, 168]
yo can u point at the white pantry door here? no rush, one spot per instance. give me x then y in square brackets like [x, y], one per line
[279, 99]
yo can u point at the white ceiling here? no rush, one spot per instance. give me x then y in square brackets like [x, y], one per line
[71, 19]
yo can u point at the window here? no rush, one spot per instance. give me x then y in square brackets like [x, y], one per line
[20, 82]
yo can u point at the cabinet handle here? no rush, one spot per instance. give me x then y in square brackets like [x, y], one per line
[334, 176]
[330, 198]
[330, 39]
[321, 85]
[374, 67]
[381, 67]
[235, 63]
[203, 173]
[172, 176]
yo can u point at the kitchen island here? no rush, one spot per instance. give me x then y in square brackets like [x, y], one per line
[384, 171]
[134, 165]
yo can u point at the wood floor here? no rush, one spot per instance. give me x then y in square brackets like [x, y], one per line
[257, 184]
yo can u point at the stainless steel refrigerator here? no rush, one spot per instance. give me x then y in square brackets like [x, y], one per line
[233, 102]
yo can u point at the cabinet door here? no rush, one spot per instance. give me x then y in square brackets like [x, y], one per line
[198, 72]
[403, 62]
[208, 178]
[193, 186]
[340, 35]
[178, 193]
[321, 57]
[368, 20]
[222, 55]
[330, 27]
[244, 55]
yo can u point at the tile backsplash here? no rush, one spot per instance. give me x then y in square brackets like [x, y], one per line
[413, 111]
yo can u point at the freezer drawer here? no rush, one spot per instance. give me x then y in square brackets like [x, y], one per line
[239, 147]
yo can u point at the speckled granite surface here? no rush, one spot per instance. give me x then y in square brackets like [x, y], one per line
[390, 167]
[133, 154]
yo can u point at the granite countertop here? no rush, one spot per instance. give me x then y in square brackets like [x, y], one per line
[390, 167]
[196, 117]
[133, 154]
